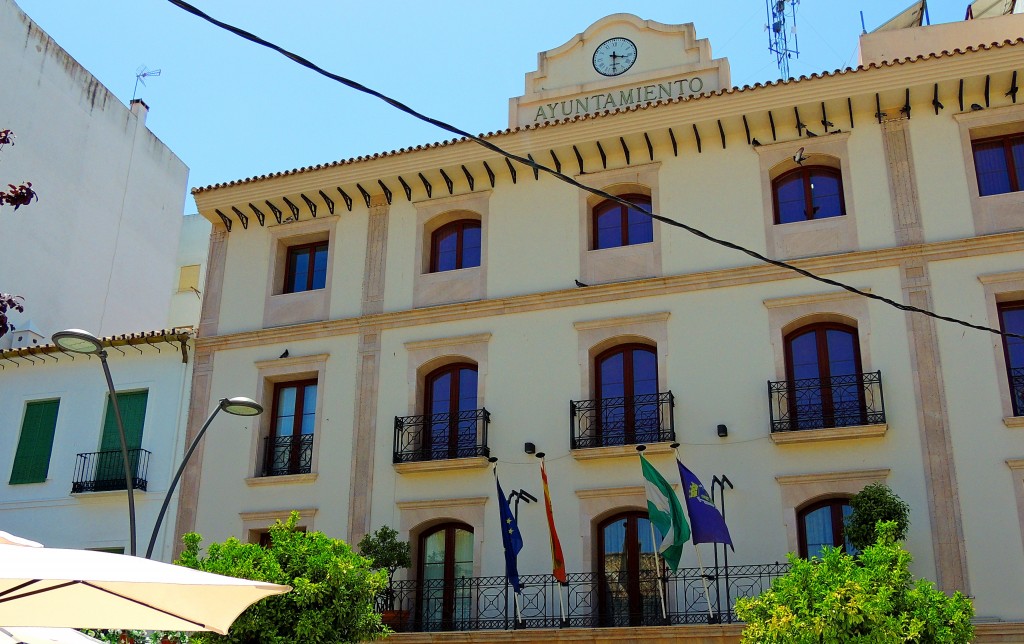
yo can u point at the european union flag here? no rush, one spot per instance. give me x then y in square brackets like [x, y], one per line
[706, 521]
[510, 538]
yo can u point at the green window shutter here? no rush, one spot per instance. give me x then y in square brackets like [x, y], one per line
[32, 460]
[133, 412]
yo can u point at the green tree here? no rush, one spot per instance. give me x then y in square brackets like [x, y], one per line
[333, 588]
[869, 600]
[876, 502]
[388, 553]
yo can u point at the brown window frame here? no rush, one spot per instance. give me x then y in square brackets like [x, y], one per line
[1016, 406]
[806, 172]
[459, 227]
[608, 205]
[1011, 164]
[295, 457]
[824, 369]
[631, 543]
[629, 428]
[453, 397]
[449, 580]
[289, 264]
[838, 528]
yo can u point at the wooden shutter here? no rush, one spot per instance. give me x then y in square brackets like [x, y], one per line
[32, 460]
[133, 412]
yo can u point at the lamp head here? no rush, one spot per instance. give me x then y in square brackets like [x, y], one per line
[77, 341]
[241, 406]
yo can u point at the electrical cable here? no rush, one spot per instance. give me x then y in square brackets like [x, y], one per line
[573, 182]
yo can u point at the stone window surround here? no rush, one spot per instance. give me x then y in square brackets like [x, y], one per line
[999, 288]
[416, 517]
[282, 308]
[635, 261]
[461, 285]
[427, 355]
[1016, 466]
[800, 490]
[994, 213]
[255, 523]
[596, 505]
[817, 236]
[596, 336]
[270, 373]
[786, 314]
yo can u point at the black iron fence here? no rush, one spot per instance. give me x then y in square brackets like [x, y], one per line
[589, 600]
[284, 455]
[632, 420]
[1017, 390]
[104, 471]
[817, 403]
[441, 436]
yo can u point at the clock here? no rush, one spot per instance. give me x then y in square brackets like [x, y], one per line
[614, 56]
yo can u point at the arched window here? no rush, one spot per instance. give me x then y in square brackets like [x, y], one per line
[821, 524]
[1011, 320]
[617, 225]
[808, 192]
[455, 245]
[451, 408]
[823, 370]
[626, 386]
[999, 163]
[628, 571]
[445, 557]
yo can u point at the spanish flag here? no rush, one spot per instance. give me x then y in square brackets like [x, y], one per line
[557, 560]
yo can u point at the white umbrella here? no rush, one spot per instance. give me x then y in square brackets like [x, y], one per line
[37, 635]
[87, 589]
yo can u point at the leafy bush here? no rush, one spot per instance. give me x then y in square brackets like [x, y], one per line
[870, 600]
[333, 588]
[875, 503]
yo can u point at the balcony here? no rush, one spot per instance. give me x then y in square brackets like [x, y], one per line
[590, 600]
[104, 471]
[823, 403]
[284, 455]
[610, 422]
[441, 437]
[1017, 390]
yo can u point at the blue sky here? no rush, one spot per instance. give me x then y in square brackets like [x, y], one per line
[231, 109]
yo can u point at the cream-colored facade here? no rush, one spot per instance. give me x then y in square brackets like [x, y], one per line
[381, 319]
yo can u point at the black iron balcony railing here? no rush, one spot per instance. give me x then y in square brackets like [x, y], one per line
[1017, 390]
[633, 420]
[284, 455]
[441, 436]
[104, 471]
[817, 403]
[590, 600]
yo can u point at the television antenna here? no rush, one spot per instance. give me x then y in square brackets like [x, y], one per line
[141, 74]
[781, 29]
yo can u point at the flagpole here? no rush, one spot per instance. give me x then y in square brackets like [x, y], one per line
[704, 580]
[561, 602]
[700, 563]
[657, 564]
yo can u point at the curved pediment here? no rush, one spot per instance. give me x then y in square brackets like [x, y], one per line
[663, 62]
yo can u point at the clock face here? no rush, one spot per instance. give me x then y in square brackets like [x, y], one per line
[614, 56]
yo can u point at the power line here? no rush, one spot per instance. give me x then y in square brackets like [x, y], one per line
[573, 182]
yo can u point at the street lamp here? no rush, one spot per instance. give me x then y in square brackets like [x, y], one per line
[79, 341]
[237, 406]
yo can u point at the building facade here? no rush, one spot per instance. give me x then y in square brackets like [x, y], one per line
[409, 316]
[105, 248]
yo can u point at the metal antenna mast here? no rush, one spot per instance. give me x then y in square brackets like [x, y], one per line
[141, 74]
[781, 30]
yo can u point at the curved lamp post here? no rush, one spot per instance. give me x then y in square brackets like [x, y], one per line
[237, 406]
[79, 341]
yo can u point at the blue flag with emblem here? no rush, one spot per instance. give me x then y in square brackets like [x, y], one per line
[510, 538]
[706, 522]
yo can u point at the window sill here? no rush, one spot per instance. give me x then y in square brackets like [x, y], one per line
[1014, 422]
[619, 451]
[286, 479]
[830, 434]
[441, 466]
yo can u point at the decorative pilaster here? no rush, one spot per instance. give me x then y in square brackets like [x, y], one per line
[198, 409]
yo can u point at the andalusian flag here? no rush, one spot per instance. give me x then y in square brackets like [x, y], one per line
[557, 560]
[666, 513]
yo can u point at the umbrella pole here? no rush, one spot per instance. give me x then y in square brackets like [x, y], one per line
[128, 478]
